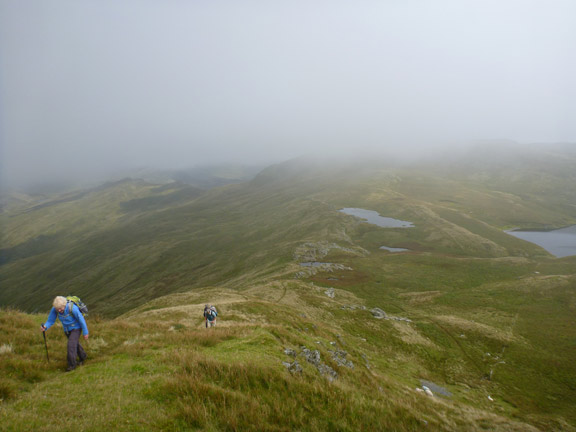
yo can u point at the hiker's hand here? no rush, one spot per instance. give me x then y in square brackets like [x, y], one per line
[42, 327]
[85, 337]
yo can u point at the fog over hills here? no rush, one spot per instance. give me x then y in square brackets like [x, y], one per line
[156, 156]
[174, 84]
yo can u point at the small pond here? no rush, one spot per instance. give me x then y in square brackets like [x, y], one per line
[390, 249]
[374, 218]
[560, 242]
[314, 264]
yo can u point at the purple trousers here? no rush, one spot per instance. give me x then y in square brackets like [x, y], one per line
[74, 348]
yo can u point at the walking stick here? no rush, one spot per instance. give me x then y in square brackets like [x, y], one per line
[46, 345]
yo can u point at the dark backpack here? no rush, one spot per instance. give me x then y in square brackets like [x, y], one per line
[81, 305]
[210, 314]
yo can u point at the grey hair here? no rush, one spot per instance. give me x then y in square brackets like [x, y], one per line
[59, 302]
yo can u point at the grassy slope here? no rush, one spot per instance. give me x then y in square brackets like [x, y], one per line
[483, 304]
[157, 368]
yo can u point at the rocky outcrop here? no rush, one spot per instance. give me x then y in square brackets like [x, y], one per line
[330, 292]
[316, 251]
[313, 357]
[378, 313]
[352, 307]
[339, 356]
[313, 267]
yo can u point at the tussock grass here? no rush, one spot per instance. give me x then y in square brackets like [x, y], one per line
[211, 395]
[219, 379]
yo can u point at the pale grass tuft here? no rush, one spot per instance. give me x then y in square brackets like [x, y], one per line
[6, 349]
[486, 330]
[98, 343]
[410, 335]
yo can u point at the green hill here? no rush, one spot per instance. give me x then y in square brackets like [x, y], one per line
[482, 318]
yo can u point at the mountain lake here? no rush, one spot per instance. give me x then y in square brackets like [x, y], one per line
[374, 218]
[560, 243]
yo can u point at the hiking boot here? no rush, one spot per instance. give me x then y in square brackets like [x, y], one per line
[70, 368]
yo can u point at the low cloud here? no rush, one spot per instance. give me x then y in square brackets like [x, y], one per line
[92, 87]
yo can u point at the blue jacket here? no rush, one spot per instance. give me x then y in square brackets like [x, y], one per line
[70, 319]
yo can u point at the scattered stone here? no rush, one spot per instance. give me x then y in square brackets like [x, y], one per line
[330, 292]
[339, 356]
[366, 361]
[290, 352]
[490, 399]
[313, 357]
[312, 268]
[427, 391]
[435, 388]
[399, 319]
[327, 371]
[352, 307]
[378, 313]
[316, 251]
[293, 367]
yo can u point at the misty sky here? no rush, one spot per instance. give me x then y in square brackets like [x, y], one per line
[88, 86]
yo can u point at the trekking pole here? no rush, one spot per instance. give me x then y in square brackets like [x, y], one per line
[46, 345]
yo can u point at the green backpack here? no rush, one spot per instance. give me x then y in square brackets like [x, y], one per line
[81, 305]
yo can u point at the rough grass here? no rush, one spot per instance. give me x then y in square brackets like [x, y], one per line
[151, 373]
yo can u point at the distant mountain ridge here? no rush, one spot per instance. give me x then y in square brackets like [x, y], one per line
[102, 235]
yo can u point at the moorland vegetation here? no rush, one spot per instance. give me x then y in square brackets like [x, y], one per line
[485, 317]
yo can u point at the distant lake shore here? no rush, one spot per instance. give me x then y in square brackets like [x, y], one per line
[559, 242]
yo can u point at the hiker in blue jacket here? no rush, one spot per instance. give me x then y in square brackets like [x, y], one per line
[73, 323]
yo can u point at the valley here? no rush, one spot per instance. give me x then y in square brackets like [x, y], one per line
[487, 318]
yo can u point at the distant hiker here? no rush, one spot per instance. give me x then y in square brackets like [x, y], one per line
[73, 323]
[210, 315]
